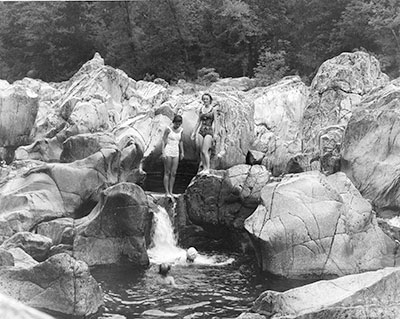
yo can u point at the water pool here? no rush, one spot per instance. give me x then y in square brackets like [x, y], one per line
[204, 291]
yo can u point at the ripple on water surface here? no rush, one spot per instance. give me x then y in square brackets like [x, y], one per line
[204, 291]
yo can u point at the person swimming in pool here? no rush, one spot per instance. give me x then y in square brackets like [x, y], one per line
[166, 279]
[191, 255]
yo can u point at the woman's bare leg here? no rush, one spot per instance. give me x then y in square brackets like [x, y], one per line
[207, 142]
[200, 147]
[174, 167]
[167, 173]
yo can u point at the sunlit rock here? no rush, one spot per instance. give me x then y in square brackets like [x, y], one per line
[52, 190]
[35, 245]
[61, 284]
[26, 201]
[336, 90]
[21, 258]
[278, 114]
[13, 309]
[116, 228]
[312, 225]
[370, 147]
[369, 295]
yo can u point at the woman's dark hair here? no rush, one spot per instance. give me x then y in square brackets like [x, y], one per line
[207, 94]
[164, 269]
[177, 119]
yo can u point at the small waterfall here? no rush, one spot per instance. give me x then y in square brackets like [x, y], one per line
[164, 247]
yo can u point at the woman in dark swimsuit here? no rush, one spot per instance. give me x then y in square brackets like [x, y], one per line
[204, 129]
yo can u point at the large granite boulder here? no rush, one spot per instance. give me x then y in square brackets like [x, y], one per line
[310, 225]
[335, 92]
[13, 309]
[18, 104]
[369, 295]
[226, 197]
[116, 228]
[278, 114]
[60, 284]
[370, 147]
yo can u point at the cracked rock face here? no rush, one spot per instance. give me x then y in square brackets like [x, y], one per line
[278, 113]
[371, 147]
[312, 225]
[336, 91]
[60, 284]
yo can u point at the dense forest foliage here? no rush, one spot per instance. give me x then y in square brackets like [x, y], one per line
[174, 39]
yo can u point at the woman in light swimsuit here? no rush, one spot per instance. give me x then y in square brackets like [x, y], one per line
[204, 129]
[172, 152]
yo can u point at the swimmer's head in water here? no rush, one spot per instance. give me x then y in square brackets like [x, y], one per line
[164, 269]
[191, 254]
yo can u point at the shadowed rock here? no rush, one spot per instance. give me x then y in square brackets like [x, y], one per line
[35, 245]
[18, 104]
[116, 228]
[225, 197]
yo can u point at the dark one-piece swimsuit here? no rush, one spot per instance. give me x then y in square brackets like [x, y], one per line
[207, 120]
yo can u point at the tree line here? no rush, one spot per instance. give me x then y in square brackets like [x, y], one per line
[179, 39]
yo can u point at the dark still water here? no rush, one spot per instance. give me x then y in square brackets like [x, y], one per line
[204, 291]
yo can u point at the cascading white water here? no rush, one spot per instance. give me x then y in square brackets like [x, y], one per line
[164, 246]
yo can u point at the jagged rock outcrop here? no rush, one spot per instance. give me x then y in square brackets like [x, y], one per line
[312, 225]
[370, 147]
[368, 295]
[335, 92]
[278, 114]
[116, 227]
[59, 284]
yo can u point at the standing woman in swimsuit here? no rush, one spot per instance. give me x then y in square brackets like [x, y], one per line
[204, 129]
[172, 152]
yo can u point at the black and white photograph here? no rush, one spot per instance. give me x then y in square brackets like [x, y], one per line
[200, 159]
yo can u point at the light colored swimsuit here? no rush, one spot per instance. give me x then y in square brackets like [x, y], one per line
[172, 146]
